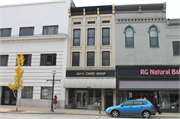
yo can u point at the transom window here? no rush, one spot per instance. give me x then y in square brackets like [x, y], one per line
[48, 59]
[49, 30]
[129, 40]
[90, 58]
[75, 59]
[153, 35]
[6, 32]
[26, 31]
[105, 36]
[76, 37]
[176, 47]
[105, 58]
[91, 36]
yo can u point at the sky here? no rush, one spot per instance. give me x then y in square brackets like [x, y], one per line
[172, 6]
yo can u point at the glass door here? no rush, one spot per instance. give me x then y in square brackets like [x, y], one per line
[82, 99]
[7, 97]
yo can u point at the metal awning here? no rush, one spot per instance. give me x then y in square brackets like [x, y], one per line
[149, 85]
[90, 83]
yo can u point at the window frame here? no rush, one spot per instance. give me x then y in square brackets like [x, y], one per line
[46, 27]
[44, 62]
[23, 29]
[6, 61]
[9, 30]
[107, 36]
[26, 92]
[129, 37]
[41, 96]
[157, 37]
[75, 59]
[176, 49]
[90, 37]
[108, 59]
[91, 59]
[76, 37]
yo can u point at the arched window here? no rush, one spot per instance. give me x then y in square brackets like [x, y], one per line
[129, 41]
[153, 36]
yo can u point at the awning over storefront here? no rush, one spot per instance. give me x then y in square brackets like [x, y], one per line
[90, 83]
[149, 85]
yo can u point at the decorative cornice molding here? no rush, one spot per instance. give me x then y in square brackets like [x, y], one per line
[106, 17]
[77, 19]
[33, 38]
[91, 18]
[140, 20]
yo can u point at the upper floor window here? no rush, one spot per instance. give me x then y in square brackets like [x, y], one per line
[91, 36]
[76, 37]
[77, 23]
[129, 37]
[27, 59]
[176, 47]
[6, 32]
[4, 60]
[75, 59]
[90, 58]
[105, 36]
[48, 59]
[26, 31]
[105, 58]
[106, 21]
[153, 35]
[49, 30]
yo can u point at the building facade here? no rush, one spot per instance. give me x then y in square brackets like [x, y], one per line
[90, 72]
[147, 55]
[40, 31]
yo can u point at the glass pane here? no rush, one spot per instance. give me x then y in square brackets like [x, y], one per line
[176, 45]
[154, 41]
[71, 96]
[7, 97]
[128, 103]
[105, 41]
[91, 41]
[44, 30]
[32, 31]
[129, 32]
[51, 30]
[21, 32]
[122, 96]
[76, 55]
[153, 32]
[91, 33]
[138, 103]
[106, 32]
[164, 99]
[27, 31]
[76, 42]
[5, 32]
[4, 60]
[129, 42]
[90, 59]
[174, 97]
[25, 60]
[46, 92]
[106, 58]
[79, 103]
[56, 30]
[77, 33]
[94, 96]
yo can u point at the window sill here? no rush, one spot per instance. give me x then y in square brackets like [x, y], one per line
[154, 47]
[177, 55]
[129, 47]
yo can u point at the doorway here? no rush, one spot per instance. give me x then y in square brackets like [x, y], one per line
[82, 99]
[109, 98]
[7, 97]
[142, 96]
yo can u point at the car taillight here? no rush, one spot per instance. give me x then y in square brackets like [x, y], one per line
[152, 106]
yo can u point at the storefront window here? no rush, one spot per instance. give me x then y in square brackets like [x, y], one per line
[94, 97]
[122, 96]
[164, 99]
[46, 92]
[71, 96]
[174, 97]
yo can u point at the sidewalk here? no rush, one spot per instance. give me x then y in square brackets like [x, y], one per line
[34, 110]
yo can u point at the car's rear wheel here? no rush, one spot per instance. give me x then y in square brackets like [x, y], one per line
[146, 114]
[115, 113]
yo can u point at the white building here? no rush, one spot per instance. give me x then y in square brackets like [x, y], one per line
[40, 31]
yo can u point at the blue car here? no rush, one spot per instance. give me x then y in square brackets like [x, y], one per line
[132, 107]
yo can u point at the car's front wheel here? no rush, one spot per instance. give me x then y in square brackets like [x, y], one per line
[146, 114]
[115, 113]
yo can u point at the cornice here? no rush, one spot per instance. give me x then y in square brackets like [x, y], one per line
[106, 17]
[91, 18]
[33, 38]
[77, 18]
[139, 20]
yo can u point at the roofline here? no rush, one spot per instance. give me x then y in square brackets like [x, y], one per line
[34, 3]
[141, 4]
[93, 6]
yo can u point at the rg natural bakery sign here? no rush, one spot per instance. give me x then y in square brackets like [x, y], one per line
[159, 72]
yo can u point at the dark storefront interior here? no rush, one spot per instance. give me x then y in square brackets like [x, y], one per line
[7, 97]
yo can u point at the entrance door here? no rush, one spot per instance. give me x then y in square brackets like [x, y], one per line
[7, 97]
[109, 99]
[82, 99]
[142, 96]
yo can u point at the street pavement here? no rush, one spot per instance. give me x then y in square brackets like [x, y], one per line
[8, 112]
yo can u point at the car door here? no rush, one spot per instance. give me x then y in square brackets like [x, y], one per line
[126, 107]
[137, 107]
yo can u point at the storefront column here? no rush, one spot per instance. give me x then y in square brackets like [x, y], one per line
[66, 96]
[0, 93]
[114, 97]
[102, 99]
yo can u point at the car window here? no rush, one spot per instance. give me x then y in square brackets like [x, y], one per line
[145, 103]
[128, 103]
[138, 103]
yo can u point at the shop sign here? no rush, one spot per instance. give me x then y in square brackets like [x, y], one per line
[159, 72]
[90, 73]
